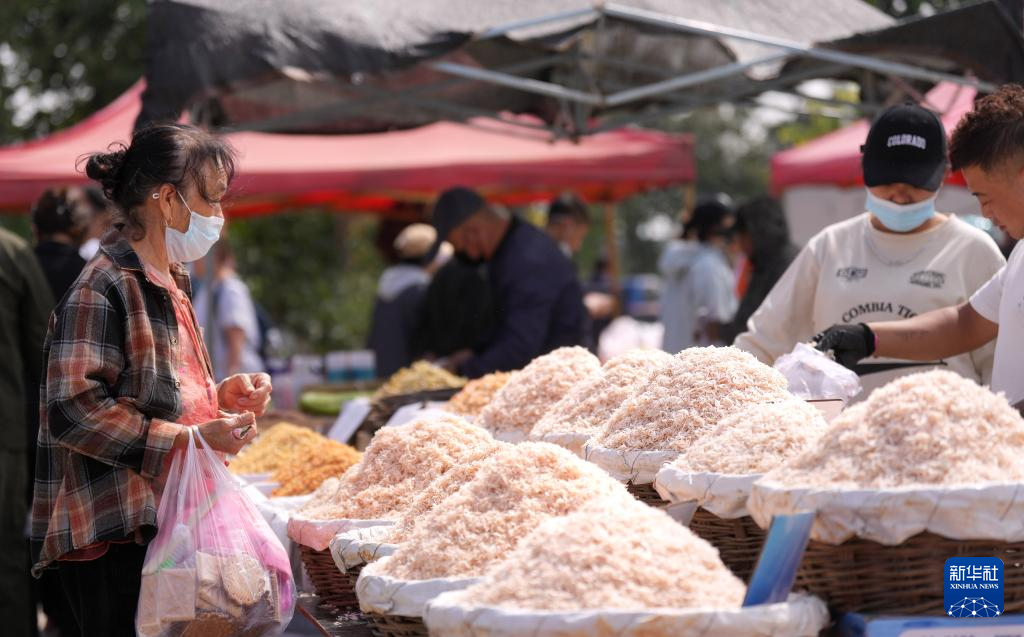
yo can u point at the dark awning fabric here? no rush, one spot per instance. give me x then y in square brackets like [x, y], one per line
[294, 65]
[980, 39]
[377, 172]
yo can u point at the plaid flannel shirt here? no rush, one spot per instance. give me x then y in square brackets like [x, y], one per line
[108, 405]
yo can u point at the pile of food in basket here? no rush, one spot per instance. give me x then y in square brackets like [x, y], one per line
[571, 498]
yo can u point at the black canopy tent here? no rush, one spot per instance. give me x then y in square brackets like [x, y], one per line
[313, 65]
[981, 40]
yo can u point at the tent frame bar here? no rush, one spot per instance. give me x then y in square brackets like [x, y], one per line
[787, 49]
[576, 104]
[828, 55]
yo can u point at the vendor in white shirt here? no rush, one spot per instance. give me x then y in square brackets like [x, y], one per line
[988, 146]
[897, 260]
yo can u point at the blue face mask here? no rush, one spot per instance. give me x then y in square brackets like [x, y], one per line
[899, 217]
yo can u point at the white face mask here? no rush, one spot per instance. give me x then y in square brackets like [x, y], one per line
[194, 243]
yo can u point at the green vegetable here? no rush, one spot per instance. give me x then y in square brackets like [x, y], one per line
[326, 403]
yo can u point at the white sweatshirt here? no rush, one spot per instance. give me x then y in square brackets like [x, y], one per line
[852, 272]
[697, 286]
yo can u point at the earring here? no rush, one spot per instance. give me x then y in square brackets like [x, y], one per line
[156, 195]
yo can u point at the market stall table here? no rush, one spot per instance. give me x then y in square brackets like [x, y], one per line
[331, 622]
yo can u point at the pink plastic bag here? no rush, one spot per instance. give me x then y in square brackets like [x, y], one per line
[215, 565]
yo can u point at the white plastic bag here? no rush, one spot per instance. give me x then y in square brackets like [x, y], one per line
[215, 566]
[814, 376]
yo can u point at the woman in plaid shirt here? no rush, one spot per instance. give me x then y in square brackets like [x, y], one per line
[127, 373]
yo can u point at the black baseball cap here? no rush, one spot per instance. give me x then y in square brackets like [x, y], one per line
[454, 206]
[906, 145]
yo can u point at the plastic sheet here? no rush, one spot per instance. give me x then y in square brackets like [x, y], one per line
[638, 467]
[361, 546]
[386, 595]
[814, 376]
[317, 534]
[890, 516]
[724, 495]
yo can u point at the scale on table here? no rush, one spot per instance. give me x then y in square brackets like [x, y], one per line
[775, 573]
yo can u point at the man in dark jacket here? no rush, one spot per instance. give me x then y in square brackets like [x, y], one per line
[763, 234]
[537, 294]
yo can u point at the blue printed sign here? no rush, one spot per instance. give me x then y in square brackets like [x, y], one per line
[974, 587]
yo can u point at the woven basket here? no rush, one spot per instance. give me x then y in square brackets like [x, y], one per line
[383, 409]
[646, 494]
[334, 586]
[738, 540]
[398, 626]
[909, 579]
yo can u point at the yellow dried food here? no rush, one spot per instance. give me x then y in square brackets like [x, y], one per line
[421, 376]
[314, 464]
[477, 393]
[273, 449]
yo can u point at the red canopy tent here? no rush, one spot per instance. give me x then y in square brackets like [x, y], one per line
[834, 159]
[376, 172]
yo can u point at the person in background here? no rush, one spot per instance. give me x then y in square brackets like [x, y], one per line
[127, 375]
[25, 304]
[233, 329]
[536, 291]
[568, 223]
[898, 259]
[98, 208]
[400, 294]
[698, 294]
[762, 234]
[59, 224]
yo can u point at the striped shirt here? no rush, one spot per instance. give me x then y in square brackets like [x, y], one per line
[110, 405]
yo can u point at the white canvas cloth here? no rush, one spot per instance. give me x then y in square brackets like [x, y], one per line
[801, 616]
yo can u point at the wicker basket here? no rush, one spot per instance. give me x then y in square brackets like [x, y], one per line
[864, 576]
[646, 494]
[397, 626]
[738, 540]
[334, 586]
[383, 409]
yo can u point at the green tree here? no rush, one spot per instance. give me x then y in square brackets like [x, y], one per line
[315, 272]
[61, 60]
[732, 151]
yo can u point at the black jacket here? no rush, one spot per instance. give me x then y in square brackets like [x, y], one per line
[458, 311]
[773, 252]
[538, 298]
[61, 264]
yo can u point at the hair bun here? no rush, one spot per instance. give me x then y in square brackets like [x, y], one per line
[106, 169]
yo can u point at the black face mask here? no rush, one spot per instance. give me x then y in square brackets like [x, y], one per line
[466, 260]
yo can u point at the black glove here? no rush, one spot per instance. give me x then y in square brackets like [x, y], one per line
[848, 343]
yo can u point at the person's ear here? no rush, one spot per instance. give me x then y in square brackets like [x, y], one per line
[170, 204]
